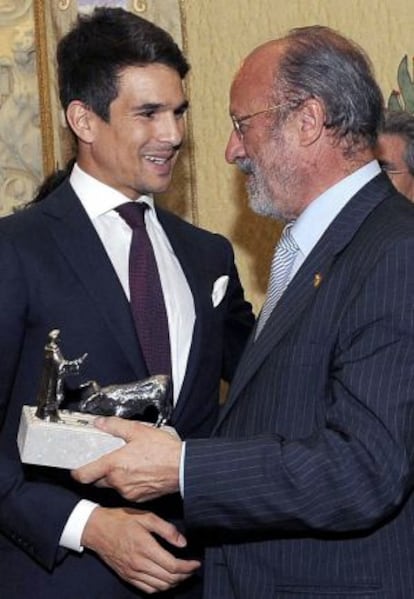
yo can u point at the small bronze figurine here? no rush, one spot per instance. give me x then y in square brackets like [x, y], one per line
[55, 369]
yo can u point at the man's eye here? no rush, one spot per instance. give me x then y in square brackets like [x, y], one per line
[148, 114]
[180, 113]
[243, 127]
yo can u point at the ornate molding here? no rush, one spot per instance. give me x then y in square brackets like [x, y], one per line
[140, 6]
[64, 4]
[10, 10]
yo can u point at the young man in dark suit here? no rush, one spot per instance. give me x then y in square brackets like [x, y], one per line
[64, 265]
[306, 488]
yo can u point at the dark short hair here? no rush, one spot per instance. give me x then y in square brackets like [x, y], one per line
[401, 123]
[100, 45]
[321, 63]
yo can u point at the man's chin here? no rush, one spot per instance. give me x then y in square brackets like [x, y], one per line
[156, 188]
[263, 207]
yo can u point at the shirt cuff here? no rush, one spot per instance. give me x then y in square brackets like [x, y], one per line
[72, 533]
[181, 472]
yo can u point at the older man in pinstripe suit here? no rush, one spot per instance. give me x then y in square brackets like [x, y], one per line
[306, 488]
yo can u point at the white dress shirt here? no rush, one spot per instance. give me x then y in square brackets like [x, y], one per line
[99, 201]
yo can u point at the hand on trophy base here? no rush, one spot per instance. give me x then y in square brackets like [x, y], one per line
[68, 443]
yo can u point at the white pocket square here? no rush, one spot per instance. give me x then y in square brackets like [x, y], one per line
[219, 290]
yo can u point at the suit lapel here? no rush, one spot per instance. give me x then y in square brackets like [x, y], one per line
[78, 241]
[307, 282]
[186, 254]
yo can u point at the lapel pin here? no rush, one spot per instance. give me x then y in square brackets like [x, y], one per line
[317, 279]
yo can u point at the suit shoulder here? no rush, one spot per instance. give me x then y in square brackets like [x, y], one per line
[28, 220]
[191, 231]
[394, 216]
[23, 222]
[18, 221]
[387, 231]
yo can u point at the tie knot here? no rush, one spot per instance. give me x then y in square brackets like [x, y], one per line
[287, 241]
[133, 213]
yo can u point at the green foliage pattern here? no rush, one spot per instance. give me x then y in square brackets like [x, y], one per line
[403, 98]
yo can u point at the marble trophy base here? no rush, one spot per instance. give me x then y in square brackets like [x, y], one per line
[69, 443]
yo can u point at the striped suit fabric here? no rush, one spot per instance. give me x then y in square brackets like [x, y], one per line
[306, 488]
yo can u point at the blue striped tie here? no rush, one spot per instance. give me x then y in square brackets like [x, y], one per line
[281, 268]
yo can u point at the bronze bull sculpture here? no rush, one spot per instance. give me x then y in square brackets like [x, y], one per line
[130, 400]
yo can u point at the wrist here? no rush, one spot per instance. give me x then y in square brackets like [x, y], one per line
[94, 528]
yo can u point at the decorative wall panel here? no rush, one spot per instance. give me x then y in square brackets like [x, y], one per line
[20, 148]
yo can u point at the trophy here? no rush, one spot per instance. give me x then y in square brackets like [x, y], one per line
[51, 436]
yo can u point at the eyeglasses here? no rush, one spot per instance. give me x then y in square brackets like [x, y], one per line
[391, 172]
[238, 121]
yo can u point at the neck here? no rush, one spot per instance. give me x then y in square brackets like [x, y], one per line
[327, 170]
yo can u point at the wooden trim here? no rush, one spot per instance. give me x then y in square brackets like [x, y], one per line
[45, 104]
[195, 217]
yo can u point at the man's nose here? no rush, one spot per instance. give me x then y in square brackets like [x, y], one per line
[235, 148]
[172, 130]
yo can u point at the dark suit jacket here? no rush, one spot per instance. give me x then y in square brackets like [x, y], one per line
[308, 491]
[55, 273]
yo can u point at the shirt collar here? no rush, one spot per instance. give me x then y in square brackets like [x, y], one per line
[314, 221]
[96, 197]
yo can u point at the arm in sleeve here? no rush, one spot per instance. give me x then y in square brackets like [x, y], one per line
[357, 468]
[32, 514]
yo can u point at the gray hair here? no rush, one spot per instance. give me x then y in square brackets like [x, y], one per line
[401, 123]
[321, 63]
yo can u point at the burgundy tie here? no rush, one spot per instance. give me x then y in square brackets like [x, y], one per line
[147, 300]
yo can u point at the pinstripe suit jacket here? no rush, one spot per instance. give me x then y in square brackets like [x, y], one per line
[307, 490]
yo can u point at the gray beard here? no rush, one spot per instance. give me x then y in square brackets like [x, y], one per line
[260, 197]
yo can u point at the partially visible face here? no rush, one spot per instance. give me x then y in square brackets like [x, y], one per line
[266, 151]
[135, 152]
[271, 177]
[390, 153]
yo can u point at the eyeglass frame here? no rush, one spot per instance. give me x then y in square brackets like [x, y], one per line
[237, 121]
[390, 171]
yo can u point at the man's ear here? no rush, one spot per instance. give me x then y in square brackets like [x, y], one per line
[80, 119]
[311, 121]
